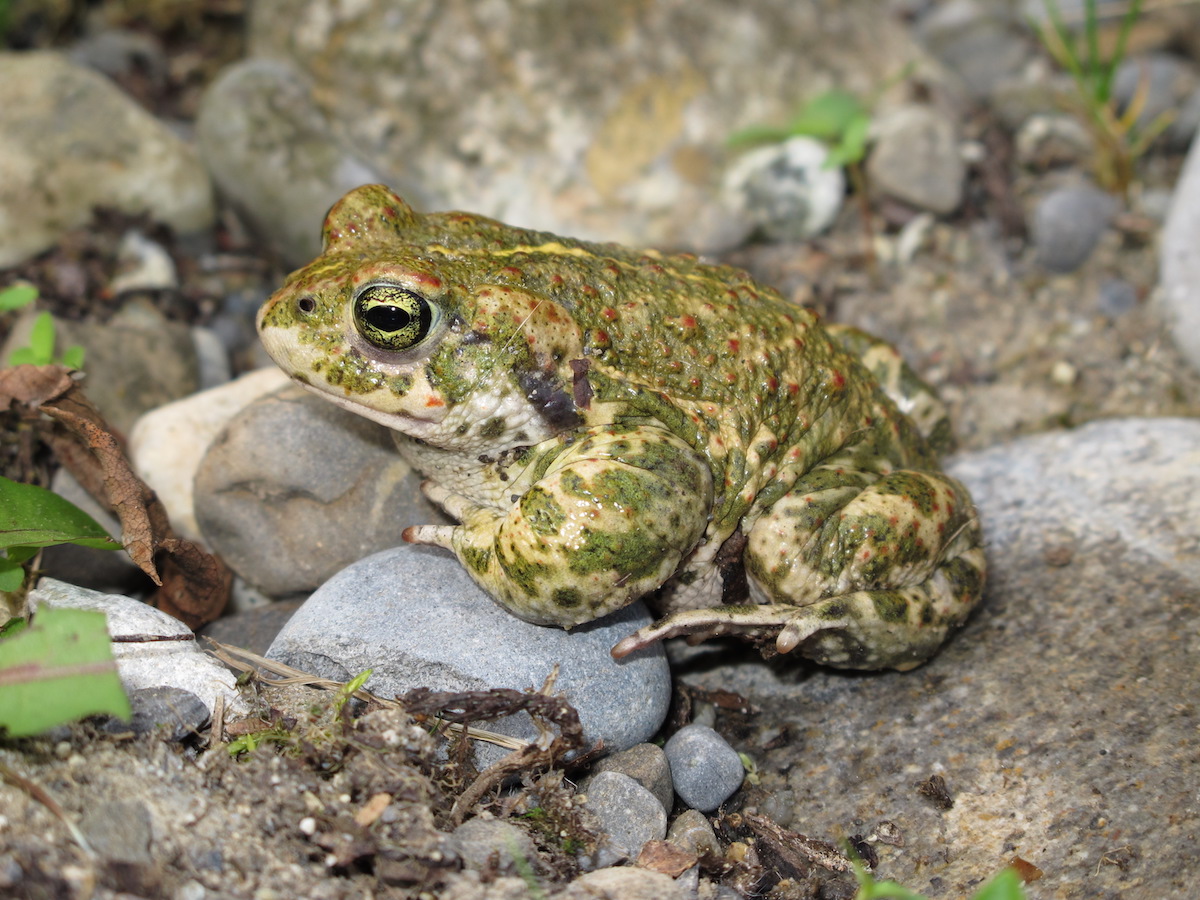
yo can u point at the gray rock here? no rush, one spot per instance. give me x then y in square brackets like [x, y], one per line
[786, 190]
[706, 770]
[629, 815]
[916, 159]
[1060, 716]
[414, 616]
[177, 664]
[1179, 279]
[286, 191]
[294, 489]
[692, 832]
[610, 123]
[118, 52]
[1067, 224]
[70, 140]
[1168, 81]
[136, 361]
[491, 845]
[647, 765]
[171, 713]
[167, 444]
[976, 40]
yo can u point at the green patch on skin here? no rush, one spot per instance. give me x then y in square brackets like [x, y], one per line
[525, 573]
[567, 598]
[400, 384]
[912, 487]
[890, 606]
[492, 428]
[833, 610]
[573, 485]
[632, 555]
[477, 559]
[542, 512]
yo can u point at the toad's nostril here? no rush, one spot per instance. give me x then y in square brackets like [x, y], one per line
[306, 304]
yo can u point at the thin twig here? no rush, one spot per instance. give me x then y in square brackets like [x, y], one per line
[38, 793]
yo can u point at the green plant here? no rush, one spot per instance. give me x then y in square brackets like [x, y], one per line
[1120, 139]
[57, 668]
[40, 349]
[837, 118]
[1006, 885]
[32, 518]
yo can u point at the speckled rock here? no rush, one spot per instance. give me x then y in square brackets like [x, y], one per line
[787, 190]
[609, 122]
[692, 832]
[1060, 717]
[705, 769]
[71, 140]
[414, 616]
[167, 444]
[916, 159]
[285, 192]
[177, 664]
[629, 815]
[1067, 223]
[647, 765]
[294, 489]
[1179, 284]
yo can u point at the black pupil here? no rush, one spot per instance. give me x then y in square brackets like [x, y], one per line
[387, 318]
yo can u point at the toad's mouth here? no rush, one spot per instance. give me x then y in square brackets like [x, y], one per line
[404, 421]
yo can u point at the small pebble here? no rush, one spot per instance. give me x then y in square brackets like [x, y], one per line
[629, 816]
[706, 770]
[691, 831]
[1068, 223]
[647, 765]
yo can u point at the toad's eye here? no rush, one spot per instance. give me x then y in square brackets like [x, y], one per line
[392, 318]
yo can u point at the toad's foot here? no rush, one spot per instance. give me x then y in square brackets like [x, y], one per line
[895, 629]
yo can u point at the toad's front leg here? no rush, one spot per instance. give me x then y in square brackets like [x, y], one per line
[608, 521]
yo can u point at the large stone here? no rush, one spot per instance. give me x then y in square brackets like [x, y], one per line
[596, 119]
[294, 489]
[1062, 718]
[70, 140]
[415, 618]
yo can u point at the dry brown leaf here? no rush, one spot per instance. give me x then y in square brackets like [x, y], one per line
[193, 585]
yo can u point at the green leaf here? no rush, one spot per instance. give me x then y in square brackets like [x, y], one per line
[31, 516]
[759, 134]
[16, 296]
[828, 115]
[41, 339]
[72, 357]
[12, 627]
[23, 356]
[12, 574]
[58, 669]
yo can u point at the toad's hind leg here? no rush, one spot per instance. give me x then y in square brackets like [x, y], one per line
[900, 382]
[858, 571]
